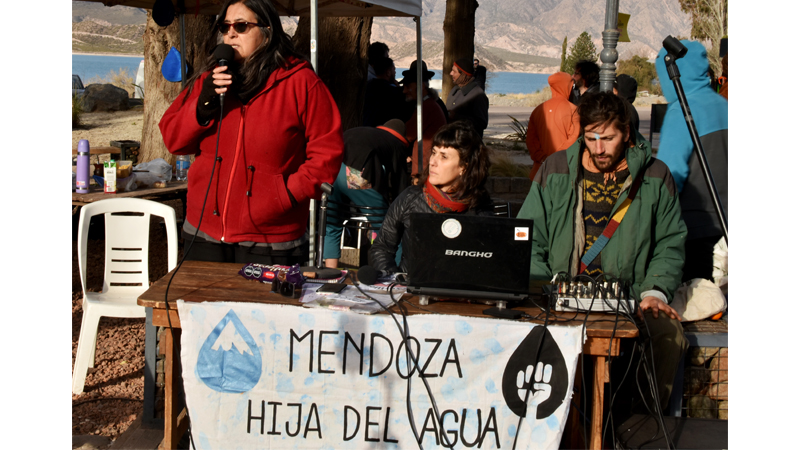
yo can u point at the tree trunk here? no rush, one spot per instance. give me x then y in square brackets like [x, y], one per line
[341, 60]
[159, 93]
[459, 37]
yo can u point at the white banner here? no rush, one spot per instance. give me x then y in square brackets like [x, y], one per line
[271, 376]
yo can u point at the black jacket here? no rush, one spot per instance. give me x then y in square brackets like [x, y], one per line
[396, 225]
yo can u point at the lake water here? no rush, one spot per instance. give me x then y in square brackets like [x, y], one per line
[500, 82]
[90, 66]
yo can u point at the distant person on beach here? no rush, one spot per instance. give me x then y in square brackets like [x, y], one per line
[383, 98]
[467, 101]
[676, 149]
[480, 73]
[587, 80]
[625, 86]
[554, 125]
[375, 51]
[280, 139]
[432, 116]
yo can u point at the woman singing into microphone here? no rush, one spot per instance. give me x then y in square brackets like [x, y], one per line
[453, 183]
[280, 138]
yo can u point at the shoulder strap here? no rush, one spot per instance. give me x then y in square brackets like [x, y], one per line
[612, 225]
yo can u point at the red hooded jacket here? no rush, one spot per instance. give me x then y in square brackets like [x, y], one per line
[554, 125]
[287, 138]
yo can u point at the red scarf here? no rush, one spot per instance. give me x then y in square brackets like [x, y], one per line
[440, 202]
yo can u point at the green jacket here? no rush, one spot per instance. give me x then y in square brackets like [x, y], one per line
[648, 247]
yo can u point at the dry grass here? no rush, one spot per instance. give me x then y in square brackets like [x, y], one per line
[77, 110]
[530, 100]
[503, 166]
[122, 79]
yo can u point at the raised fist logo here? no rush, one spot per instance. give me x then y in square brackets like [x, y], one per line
[546, 377]
[540, 391]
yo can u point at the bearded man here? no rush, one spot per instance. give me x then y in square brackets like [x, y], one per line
[609, 178]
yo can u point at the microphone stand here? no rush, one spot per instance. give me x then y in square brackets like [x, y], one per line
[676, 50]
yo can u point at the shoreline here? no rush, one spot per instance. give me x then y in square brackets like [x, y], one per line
[126, 55]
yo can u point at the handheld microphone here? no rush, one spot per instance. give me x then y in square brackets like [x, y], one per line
[369, 275]
[223, 53]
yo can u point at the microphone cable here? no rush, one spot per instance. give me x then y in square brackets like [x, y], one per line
[409, 358]
[183, 258]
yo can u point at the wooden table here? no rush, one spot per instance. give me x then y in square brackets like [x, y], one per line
[208, 282]
[174, 190]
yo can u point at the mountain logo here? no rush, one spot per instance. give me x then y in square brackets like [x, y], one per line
[229, 360]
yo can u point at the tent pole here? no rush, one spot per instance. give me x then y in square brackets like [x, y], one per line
[312, 217]
[419, 94]
[183, 52]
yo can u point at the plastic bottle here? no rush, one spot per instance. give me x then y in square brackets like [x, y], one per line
[182, 167]
[82, 169]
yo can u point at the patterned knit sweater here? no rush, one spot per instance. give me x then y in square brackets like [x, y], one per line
[598, 201]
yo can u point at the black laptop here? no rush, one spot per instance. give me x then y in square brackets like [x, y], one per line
[460, 256]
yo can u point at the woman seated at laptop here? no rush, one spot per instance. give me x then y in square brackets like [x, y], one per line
[453, 183]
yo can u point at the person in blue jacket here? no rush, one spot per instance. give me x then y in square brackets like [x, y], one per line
[676, 149]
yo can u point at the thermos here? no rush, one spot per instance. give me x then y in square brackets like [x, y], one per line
[82, 179]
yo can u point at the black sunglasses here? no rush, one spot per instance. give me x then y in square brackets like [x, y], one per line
[239, 27]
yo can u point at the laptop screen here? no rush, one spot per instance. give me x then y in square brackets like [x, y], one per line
[485, 254]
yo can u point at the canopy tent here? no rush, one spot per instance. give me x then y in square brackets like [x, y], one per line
[327, 8]
[314, 9]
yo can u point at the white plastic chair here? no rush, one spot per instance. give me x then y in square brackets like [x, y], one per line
[126, 274]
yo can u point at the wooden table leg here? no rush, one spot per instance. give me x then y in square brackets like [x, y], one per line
[598, 386]
[172, 402]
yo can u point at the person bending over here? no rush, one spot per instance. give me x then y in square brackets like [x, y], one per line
[280, 138]
[453, 183]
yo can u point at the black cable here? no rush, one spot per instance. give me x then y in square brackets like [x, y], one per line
[531, 382]
[409, 357]
[180, 263]
[654, 386]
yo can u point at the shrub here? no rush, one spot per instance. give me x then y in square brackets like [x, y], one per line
[77, 109]
[520, 130]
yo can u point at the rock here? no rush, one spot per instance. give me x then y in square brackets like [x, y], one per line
[105, 97]
[89, 442]
[723, 410]
[696, 379]
[719, 366]
[718, 391]
[701, 407]
[700, 355]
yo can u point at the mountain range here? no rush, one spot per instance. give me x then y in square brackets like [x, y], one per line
[510, 35]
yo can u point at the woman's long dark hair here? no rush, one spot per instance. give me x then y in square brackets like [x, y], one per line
[252, 74]
[473, 157]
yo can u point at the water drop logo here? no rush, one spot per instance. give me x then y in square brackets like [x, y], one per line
[229, 360]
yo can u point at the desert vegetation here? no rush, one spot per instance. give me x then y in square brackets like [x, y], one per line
[122, 79]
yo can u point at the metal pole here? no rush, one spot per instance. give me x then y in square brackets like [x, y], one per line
[312, 217]
[609, 54]
[314, 29]
[183, 49]
[419, 94]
